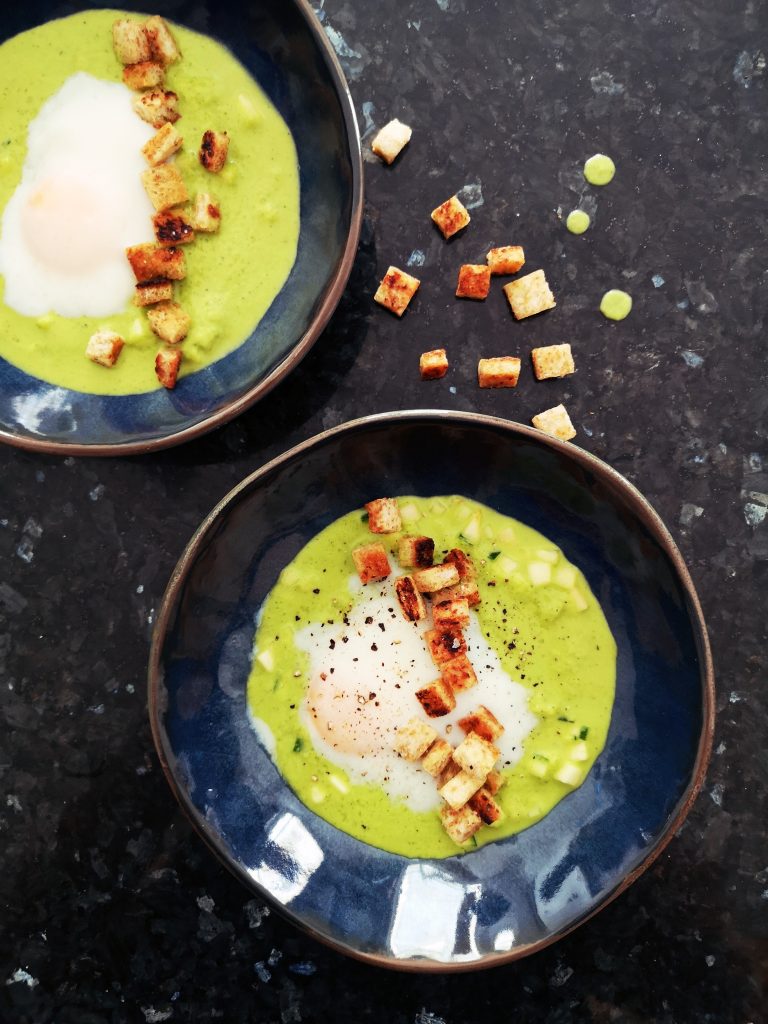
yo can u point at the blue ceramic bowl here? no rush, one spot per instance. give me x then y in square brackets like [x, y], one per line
[508, 898]
[284, 47]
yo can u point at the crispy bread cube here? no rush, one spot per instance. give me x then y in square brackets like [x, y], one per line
[391, 140]
[529, 295]
[165, 186]
[494, 782]
[213, 151]
[556, 422]
[499, 372]
[162, 145]
[172, 227]
[414, 739]
[149, 292]
[460, 789]
[169, 322]
[476, 756]
[451, 216]
[474, 281]
[396, 290]
[445, 644]
[507, 259]
[161, 41]
[552, 361]
[437, 699]
[450, 771]
[458, 673]
[464, 564]
[145, 75]
[383, 515]
[483, 722]
[149, 261]
[167, 363]
[436, 577]
[131, 41]
[433, 365]
[411, 601]
[415, 551]
[451, 613]
[104, 347]
[206, 213]
[371, 562]
[437, 758]
[484, 805]
[460, 824]
[157, 107]
[466, 589]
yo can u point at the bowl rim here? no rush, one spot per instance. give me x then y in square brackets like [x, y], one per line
[648, 516]
[306, 341]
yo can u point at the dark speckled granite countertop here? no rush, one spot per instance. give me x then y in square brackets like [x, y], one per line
[111, 909]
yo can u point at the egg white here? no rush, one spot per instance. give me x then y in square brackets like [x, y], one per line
[79, 204]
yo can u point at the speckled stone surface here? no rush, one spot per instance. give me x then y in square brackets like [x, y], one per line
[111, 909]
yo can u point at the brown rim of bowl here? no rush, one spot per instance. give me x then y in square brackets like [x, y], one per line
[646, 514]
[310, 336]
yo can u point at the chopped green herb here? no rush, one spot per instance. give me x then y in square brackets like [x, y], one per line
[494, 555]
[298, 745]
[584, 732]
[562, 718]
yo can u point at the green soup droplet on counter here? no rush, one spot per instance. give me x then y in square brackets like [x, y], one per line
[577, 222]
[599, 169]
[616, 304]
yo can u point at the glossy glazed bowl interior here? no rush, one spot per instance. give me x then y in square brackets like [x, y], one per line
[505, 899]
[285, 49]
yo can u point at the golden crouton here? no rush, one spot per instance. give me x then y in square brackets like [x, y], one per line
[161, 41]
[436, 577]
[476, 756]
[131, 41]
[167, 363]
[445, 644]
[149, 261]
[556, 422]
[383, 515]
[165, 186]
[474, 281]
[411, 601]
[396, 290]
[484, 805]
[483, 722]
[213, 151]
[433, 365]
[414, 739]
[169, 322]
[499, 372]
[460, 789]
[451, 216]
[206, 213]
[371, 563]
[450, 771]
[507, 259]
[451, 613]
[415, 552]
[104, 347]
[460, 824]
[494, 782]
[157, 107]
[458, 673]
[391, 140]
[162, 145]
[173, 227]
[529, 295]
[552, 361]
[437, 699]
[149, 292]
[466, 589]
[464, 564]
[437, 758]
[145, 75]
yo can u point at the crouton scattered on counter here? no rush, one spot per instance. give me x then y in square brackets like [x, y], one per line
[147, 74]
[149, 292]
[552, 361]
[391, 140]
[161, 42]
[437, 698]
[451, 216]
[167, 363]
[474, 281]
[411, 602]
[498, 372]
[396, 290]
[383, 515]
[163, 144]
[556, 422]
[157, 107]
[506, 259]
[529, 295]
[433, 365]
[414, 739]
[150, 261]
[206, 213]
[213, 151]
[173, 227]
[371, 563]
[165, 186]
[104, 348]
[169, 322]
[131, 41]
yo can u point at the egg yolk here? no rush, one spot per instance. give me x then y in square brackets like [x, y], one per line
[65, 224]
[354, 719]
